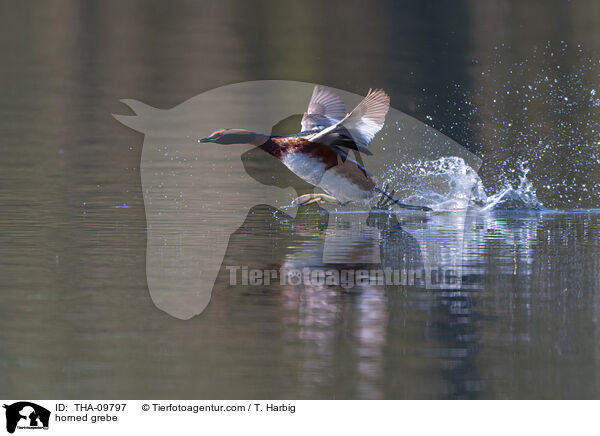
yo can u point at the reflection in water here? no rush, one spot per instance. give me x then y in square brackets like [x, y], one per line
[410, 342]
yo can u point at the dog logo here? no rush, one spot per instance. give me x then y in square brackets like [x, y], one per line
[26, 415]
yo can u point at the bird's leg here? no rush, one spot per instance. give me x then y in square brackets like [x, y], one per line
[306, 199]
[391, 199]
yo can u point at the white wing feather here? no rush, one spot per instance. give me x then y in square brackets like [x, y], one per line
[363, 122]
[324, 109]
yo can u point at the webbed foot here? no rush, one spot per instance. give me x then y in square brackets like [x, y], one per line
[306, 199]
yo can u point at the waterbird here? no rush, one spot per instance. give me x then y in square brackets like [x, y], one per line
[318, 154]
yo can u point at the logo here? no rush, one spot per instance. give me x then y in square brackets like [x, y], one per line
[26, 415]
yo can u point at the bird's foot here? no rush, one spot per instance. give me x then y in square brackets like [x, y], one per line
[306, 199]
[387, 199]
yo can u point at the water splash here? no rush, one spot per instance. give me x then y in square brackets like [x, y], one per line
[540, 105]
[521, 197]
[448, 183]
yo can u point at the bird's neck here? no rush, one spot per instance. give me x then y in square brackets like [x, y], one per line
[264, 142]
[259, 139]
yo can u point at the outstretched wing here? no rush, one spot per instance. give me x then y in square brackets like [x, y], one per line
[324, 109]
[362, 124]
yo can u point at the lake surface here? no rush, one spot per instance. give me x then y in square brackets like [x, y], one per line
[521, 320]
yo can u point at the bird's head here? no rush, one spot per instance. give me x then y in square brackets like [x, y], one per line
[231, 136]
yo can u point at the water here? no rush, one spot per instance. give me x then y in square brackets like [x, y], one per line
[76, 318]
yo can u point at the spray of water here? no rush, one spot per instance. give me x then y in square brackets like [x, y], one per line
[540, 106]
[448, 183]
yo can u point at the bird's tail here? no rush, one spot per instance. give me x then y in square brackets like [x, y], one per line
[400, 204]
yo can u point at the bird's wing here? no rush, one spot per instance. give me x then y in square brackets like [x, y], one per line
[362, 124]
[343, 139]
[324, 109]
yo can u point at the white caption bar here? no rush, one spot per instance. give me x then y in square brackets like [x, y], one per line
[298, 417]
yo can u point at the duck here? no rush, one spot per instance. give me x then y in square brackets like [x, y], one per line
[319, 153]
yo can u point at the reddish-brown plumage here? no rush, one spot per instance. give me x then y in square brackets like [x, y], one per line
[278, 146]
